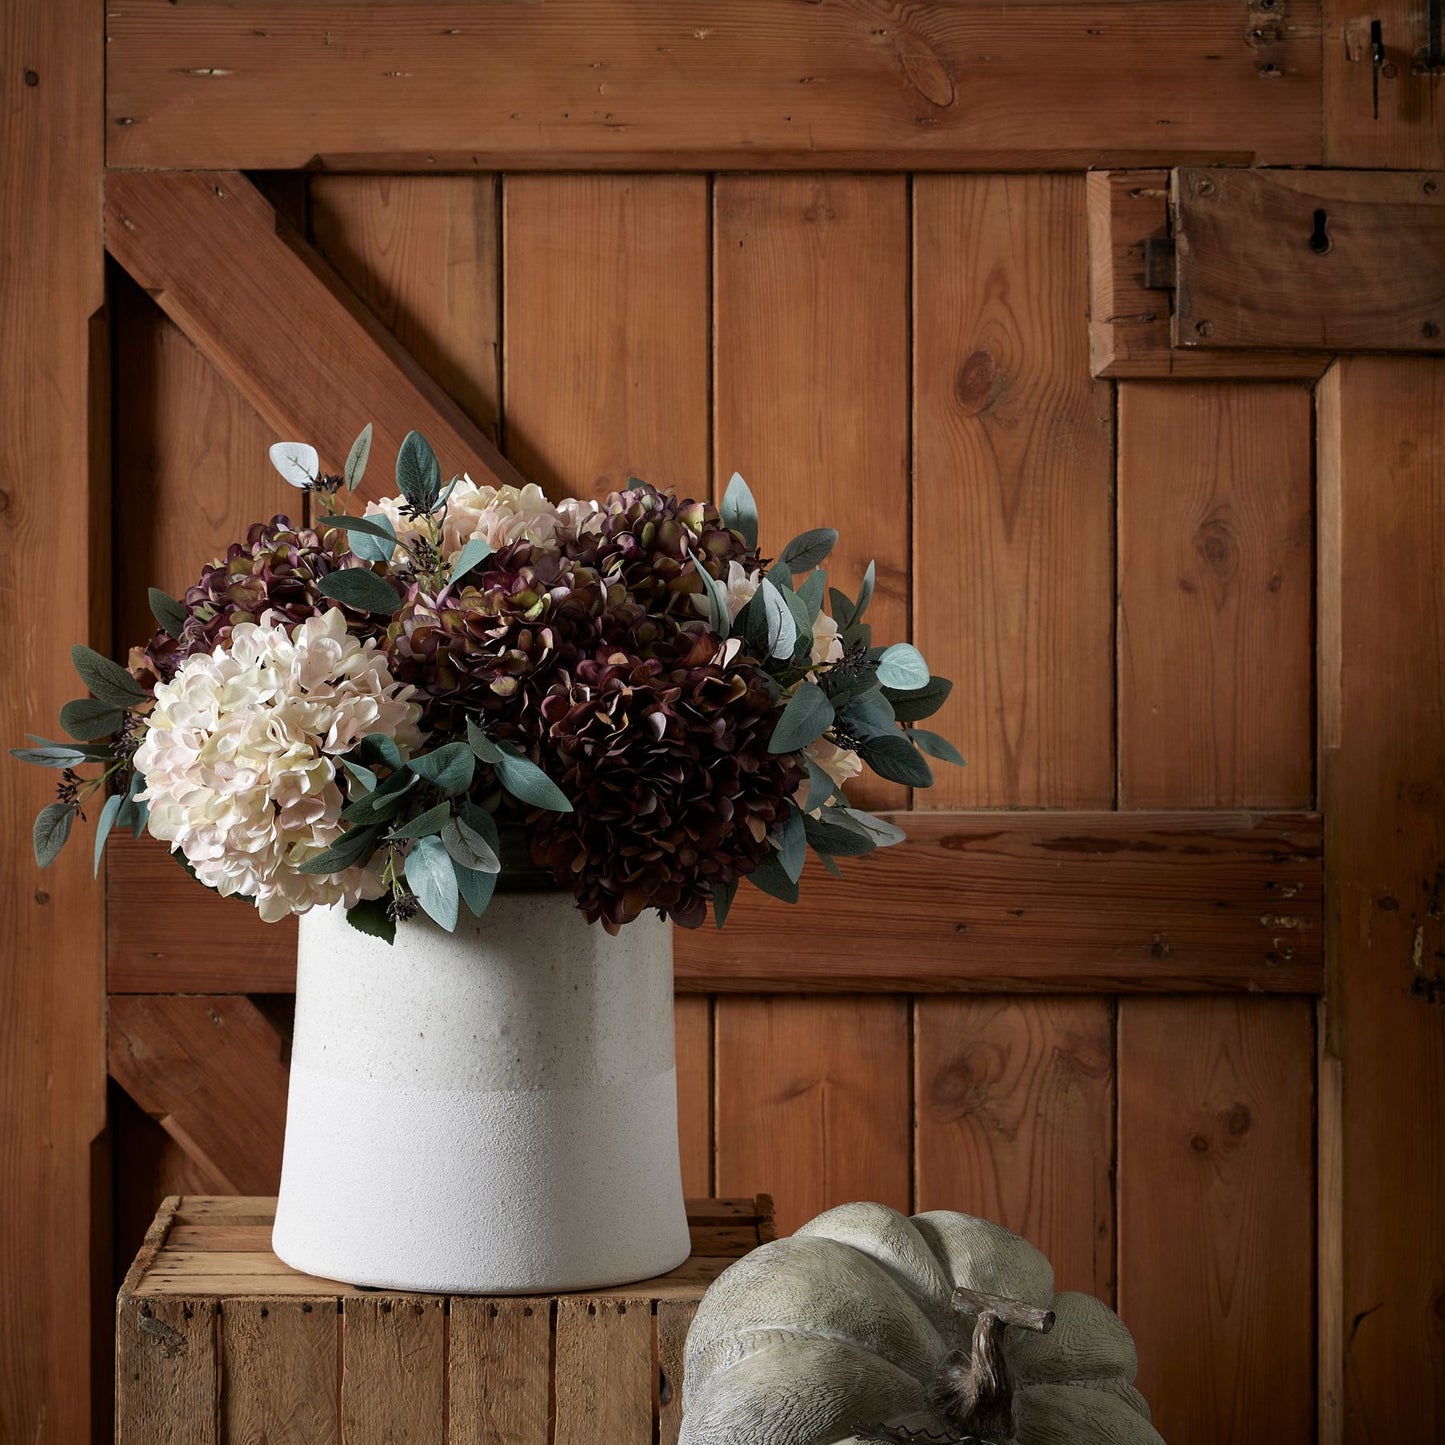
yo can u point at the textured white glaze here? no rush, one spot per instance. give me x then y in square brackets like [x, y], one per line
[492, 1111]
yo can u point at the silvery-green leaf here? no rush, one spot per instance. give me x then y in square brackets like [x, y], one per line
[373, 538]
[350, 848]
[449, 768]
[476, 888]
[828, 862]
[782, 629]
[883, 833]
[868, 715]
[361, 588]
[364, 777]
[921, 702]
[808, 715]
[793, 844]
[770, 877]
[781, 576]
[937, 746]
[385, 802]
[722, 900]
[717, 602]
[893, 757]
[480, 743]
[51, 755]
[356, 459]
[469, 848]
[865, 592]
[840, 604]
[424, 824]
[169, 614]
[740, 511]
[418, 473]
[432, 878]
[88, 719]
[827, 835]
[481, 822]
[379, 748]
[524, 780]
[821, 788]
[52, 828]
[297, 462]
[803, 621]
[107, 680]
[902, 666]
[808, 549]
[104, 824]
[370, 917]
[477, 550]
[814, 587]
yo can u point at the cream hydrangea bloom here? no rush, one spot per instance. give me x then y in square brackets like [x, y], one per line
[238, 757]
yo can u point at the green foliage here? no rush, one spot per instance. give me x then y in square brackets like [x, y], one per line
[902, 667]
[356, 459]
[524, 780]
[771, 877]
[418, 473]
[432, 878]
[370, 917]
[808, 715]
[475, 552]
[449, 768]
[89, 719]
[717, 602]
[104, 824]
[792, 844]
[722, 901]
[424, 825]
[921, 702]
[361, 588]
[740, 511]
[936, 747]
[373, 539]
[468, 849]
[350, 848]
[809, 549]
[52, 828]
[893, 757]
[107, 680]
[169, 614]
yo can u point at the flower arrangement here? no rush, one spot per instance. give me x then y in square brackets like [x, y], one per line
[387, 710]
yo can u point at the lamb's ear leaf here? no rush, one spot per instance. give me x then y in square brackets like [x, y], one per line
[107, 680]
[89, 719]
[740, 510]
[169, 614]
[807, 715]
[370, 916]
[356, 459]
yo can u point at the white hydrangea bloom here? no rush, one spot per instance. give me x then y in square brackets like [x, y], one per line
[238, 757]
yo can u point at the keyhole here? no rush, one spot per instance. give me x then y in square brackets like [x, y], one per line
[1320, 241]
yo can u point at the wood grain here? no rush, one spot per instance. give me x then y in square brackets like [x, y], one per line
[1257, 266]
[279, 1362]
[693, 1021]
[673, 1319]
[237, 281]
[810, 347]
[1093, 901]
[424, 253]
[813, 1102]
[1410, 128]
[1012, 511]
[166, 1376]
[1382, 732]
[728, 83]
[54, 410]
[393, 1373]
[1129, 323]
[606, 329]
[210, 1071]
[1215, 595]
[1216, 1237]
[1015, 1121]
[499, 1356]
[605, 1376]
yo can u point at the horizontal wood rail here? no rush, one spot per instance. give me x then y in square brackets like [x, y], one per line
[710, 84]
[1039, 901]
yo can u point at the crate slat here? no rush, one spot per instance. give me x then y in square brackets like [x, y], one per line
[604, 1376]
[499, 1359]
[279, 1364]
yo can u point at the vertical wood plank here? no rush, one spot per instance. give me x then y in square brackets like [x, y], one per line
[694, 1093]
[393, 1375]
[1012, 512]
[606, 326]
[674, 1319]
[423, 252]
[1382, 735]
[498, 1371]
[1216, 1236]
[811, 375]
[813, 1102]
[278, 1361]
[605, 1377]
[1015, 1111]
[166, 1381]
[1215, 582]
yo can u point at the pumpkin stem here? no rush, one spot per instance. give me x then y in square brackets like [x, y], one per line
[973, 1390]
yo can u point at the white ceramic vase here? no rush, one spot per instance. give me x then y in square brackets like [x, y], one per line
[492, 1111]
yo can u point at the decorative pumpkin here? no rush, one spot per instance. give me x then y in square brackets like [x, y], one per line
[867, 1326]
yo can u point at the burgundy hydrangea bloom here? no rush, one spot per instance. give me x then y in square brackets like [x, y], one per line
[668, 767]
[646, 540]
[278, 568]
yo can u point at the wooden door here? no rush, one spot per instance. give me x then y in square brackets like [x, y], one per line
[1157, 973]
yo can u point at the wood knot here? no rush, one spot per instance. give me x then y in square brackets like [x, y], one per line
[978, 384]
[1199, 1144]
[1214, 542]
[959, 1089]
[1238, 1121]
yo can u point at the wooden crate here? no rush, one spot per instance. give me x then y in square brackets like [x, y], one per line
[218, 1341]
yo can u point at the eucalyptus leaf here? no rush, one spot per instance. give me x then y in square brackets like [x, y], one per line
[773, 880]
[449, 768]
[792, 844]
[297, 462]
[812, 591]
[481, 744]
[937, 746]
[52, 755]
[169, 614]
[386, 802]
[357, 457]
[808, 715]
[869, 715]
[52, 828]
[802, 621]
[740, 510]
[808, 549]
[424, 825]
[865, 592]
[902, 666]
[524, 780]
[717, 601]
[481, 822]
[476, 551]
[841, 605]
[350, 848]
[373, 539]
[361, 588]
[364, 776]
[432, 878]
[919, 703]
[476, 888]
[821, 788]
[893, 757]
[827, 835]
[469, 849]
[379, 748]
[370, 917]
[722, 901]
[104, 824]
[782, 627]
[89, 719]
[418, 473]
[828, 862]
[883, 833]
[107, 680]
